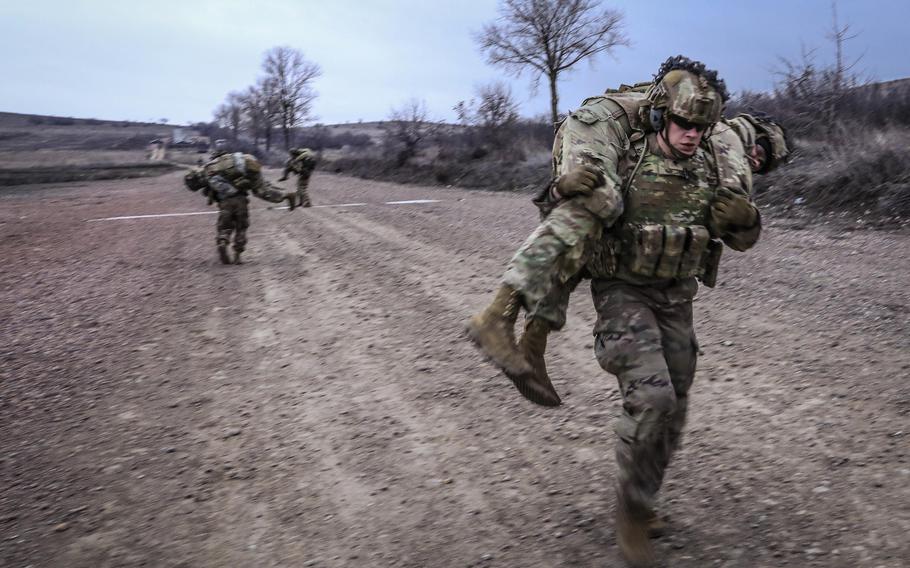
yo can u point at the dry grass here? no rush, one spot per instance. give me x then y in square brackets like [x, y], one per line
[68, 157]
[868, 174]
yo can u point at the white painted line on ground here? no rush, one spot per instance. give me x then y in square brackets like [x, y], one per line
[412, 201]
[344, 205]
[153, 216]
[406, 202]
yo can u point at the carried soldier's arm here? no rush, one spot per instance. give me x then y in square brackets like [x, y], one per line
[764, 147]
[734, 217]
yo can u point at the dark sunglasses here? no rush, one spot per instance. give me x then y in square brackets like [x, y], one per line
[686, 125]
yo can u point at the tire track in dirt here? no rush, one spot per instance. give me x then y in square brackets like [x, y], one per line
[310, 405]
[402, 268]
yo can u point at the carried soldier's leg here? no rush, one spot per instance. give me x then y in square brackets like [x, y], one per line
[303, 195]
[273, 194]
[242, 224]
[225, 228]
[548, 314]
[550, 256]
[629, 345]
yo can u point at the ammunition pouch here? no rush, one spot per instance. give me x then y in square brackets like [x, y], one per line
[604, 257]
[711, 263]
[657, 251]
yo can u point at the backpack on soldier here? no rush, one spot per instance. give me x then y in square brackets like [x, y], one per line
[236, 169]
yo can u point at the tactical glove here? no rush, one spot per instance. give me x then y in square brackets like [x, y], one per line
[579, 181]
[730, 210]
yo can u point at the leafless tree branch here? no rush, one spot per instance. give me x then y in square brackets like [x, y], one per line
[549, 37]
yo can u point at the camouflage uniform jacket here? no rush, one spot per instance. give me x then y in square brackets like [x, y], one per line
[303, 165]
[606, 133]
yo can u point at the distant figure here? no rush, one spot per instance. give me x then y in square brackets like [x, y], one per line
[156, 149]
[302, 162]
[227, 179]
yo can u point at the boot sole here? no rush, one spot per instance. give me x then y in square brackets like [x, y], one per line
[474, 336]
[523, 382]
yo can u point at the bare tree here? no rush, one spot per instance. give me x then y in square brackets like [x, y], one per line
[841, 75]
[290, 77]
[493, 114]
[261, 111]
[548, 37]
[229, 114]
[253, 119]
[812, 98]
[408, 126]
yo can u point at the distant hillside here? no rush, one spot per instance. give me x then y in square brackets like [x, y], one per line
[28, 132]
[14, 119]
[888, 87]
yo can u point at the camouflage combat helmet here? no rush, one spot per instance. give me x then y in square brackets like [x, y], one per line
[685, 89]
[772, 138]
[194, 180]
[296, 152]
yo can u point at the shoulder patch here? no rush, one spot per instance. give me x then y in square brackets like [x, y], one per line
[586, 115]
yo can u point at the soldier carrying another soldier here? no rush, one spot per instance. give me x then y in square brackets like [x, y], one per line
[648, 185]
[227, 179]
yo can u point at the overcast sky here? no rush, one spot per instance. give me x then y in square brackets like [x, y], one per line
[177, 59]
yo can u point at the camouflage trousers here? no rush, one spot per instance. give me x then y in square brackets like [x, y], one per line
[272, 194]
[644, 336]
[545, 268]
[303, 196]
[233, 219]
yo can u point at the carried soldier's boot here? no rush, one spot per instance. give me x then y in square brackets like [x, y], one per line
[535, 386]
[632, 535]
[657, 525]
[223, 254]
[493, 330]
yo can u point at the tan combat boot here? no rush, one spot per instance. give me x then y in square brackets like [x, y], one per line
[493, 330]
[237, 257]
[535, 386]
[632, 536]
[223, 254]
[657, 526]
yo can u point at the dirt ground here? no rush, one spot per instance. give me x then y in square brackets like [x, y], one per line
[318, 405]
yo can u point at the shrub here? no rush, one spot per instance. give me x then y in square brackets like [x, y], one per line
[871, 173]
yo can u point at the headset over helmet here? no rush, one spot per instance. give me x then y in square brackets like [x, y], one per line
[687, 90]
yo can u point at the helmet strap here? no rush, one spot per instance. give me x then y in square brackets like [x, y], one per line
[677, 155]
